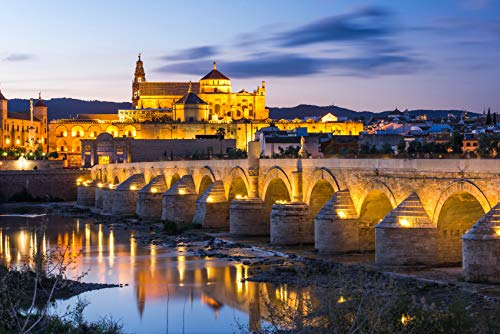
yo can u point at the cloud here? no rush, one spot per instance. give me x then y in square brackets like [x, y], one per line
[359, 43]
[13, 57]
[295, 65]
[200, 52]
[361, 25]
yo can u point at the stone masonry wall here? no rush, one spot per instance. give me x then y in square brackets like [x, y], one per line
[46, 184]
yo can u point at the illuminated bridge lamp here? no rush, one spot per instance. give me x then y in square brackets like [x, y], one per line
[238, 196]
[182, 191]
[404, 222]
[341, 300]
[100, 185]
[341, 214]
[154, 190]
[497, 230]
[210, 199]
[281, 201]
[110, 186]
[133, 187]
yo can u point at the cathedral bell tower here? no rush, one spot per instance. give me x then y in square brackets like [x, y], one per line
[139, 76]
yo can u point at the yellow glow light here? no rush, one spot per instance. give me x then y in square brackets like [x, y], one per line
[497, 231]
[154, 190]
[405, 319]
[110, 186]
[341, 300]
[133, 187]
[341, 214]
[18, 142]
[100, 185]
[238, 196]
[7, 141]
[210, 199]
[281, 201]
[404, 222]
[182, 191]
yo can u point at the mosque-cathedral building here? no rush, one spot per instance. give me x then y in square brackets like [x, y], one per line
[27, 129]
[162, 111]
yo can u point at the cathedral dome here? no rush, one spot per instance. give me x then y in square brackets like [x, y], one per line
[215, 82]
[215, 74]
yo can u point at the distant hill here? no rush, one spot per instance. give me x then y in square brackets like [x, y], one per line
[68, 108]
[305, 110]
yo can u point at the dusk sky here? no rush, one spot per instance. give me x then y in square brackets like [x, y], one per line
[364, 55]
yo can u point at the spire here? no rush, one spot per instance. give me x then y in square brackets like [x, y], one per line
[215, 65]
[139, 57]
[189, 89]
[40, 103]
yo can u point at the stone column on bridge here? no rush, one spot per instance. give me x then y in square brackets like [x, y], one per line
[179, 202]
[481, 249]
[212, 207]
[86, 193]
[246, 215]
[406, 236]
[291, 224]
[336, 228]
[125, 196]
[150, 199]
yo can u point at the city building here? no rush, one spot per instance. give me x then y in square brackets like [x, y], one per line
[26, 130]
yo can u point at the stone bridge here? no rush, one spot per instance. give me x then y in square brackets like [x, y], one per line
[409, 211]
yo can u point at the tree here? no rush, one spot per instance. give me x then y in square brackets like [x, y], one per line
[220, 134]
[457, 141]
[488, 117]
[495, 118]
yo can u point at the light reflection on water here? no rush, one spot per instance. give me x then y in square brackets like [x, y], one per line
[168, 290]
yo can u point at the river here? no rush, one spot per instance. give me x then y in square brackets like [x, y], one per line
[165, 290]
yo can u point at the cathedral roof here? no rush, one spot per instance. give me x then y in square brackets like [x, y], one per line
[2, 98]
[166, 88]
[215, 74]
[25, 116]
[190, 98]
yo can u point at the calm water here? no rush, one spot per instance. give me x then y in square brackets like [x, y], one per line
[168, 291]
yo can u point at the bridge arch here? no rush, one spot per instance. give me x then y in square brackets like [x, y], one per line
[460, 186]
[273, 173]
[203, 179]
[376, 202]
[319, 189]
[175, 177]
[320, 174]
[237, 183]
[460, 205]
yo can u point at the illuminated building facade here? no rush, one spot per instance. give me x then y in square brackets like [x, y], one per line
[26, 129]
[183, 110]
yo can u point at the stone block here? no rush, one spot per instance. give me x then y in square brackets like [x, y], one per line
[247, 218]
[291, 224]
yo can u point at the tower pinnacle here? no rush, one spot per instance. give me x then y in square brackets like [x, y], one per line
[215, 65]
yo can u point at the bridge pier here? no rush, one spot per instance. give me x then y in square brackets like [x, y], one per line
[108, 195]
[481, 249]
[150, 199]
[86, 194]
[125, 197]
[212, 208]
[406, 236]
[336, 229]
[247, 217]
[179, 202]
[291, 224]
[98, 195]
